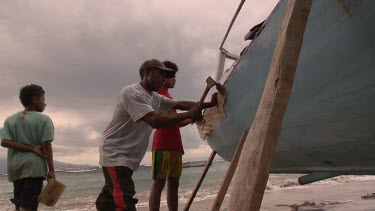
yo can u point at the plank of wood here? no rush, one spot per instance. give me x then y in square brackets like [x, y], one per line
[256, 157]
[208, 165]
[229, 175]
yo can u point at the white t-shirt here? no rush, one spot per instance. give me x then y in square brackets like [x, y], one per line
[126, 138]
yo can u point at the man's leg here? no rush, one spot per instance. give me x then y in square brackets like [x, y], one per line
[172, 193]
[118, 191]
[105, 199]
[156, 189]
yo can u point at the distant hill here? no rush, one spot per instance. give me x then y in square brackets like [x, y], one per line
[62, 165]
[58, 165]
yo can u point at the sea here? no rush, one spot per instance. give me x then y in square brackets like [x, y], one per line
[82, 188]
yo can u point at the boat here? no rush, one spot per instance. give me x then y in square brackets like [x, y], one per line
[329, 125]
[193, 164]
[81, 170]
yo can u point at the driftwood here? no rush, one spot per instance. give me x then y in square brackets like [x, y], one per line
[369, 196]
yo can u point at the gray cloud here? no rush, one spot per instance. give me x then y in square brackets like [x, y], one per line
[83, 52]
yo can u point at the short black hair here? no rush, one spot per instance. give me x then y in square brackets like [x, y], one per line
[171, 65]
[28, 92]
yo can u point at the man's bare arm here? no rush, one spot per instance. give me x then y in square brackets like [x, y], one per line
[161, 120]
[186, 105]
[47, 149]
[22, 147]
[185, 122]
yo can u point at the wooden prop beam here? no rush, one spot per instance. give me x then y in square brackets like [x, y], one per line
[256, 157]
[229, 175]
[208, 164]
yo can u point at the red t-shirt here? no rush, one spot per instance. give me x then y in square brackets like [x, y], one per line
[168, 138]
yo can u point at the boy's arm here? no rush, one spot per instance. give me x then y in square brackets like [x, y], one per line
[22, 147]
[47, 149]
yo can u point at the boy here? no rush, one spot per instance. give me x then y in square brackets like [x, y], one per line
[28, 135]
[167, 151]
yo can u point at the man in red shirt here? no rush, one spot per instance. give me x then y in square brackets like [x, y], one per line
[167, 153]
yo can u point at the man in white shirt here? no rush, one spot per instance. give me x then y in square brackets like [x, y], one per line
[125, 140]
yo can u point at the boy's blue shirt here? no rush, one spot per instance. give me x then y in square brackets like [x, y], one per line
[33, 129]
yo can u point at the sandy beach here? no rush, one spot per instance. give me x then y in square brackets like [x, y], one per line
[341, 193]
[332, 197]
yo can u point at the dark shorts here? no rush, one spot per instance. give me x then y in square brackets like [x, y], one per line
[118, 191]
[26, 192]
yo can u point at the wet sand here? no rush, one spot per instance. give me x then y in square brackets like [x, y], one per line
[332, 197]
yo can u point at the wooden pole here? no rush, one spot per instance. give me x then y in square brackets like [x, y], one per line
[208, 164]
[228, 177]
[256, 157]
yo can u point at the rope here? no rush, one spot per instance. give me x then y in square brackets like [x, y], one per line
[231, 23]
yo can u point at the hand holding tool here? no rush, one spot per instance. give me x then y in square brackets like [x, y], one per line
[210, 83]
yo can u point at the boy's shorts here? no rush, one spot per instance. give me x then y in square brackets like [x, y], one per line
[26, 192]
[166, 164]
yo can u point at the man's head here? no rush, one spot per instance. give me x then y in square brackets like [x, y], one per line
[153, 73]
[170, 78]
[32, 96]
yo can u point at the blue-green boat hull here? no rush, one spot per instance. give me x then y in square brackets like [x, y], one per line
[329, 124]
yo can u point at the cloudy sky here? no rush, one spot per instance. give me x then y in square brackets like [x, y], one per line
[84, 51]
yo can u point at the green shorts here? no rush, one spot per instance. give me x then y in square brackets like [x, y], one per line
[166, 164]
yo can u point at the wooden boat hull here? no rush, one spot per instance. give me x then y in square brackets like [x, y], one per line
[329, 125]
